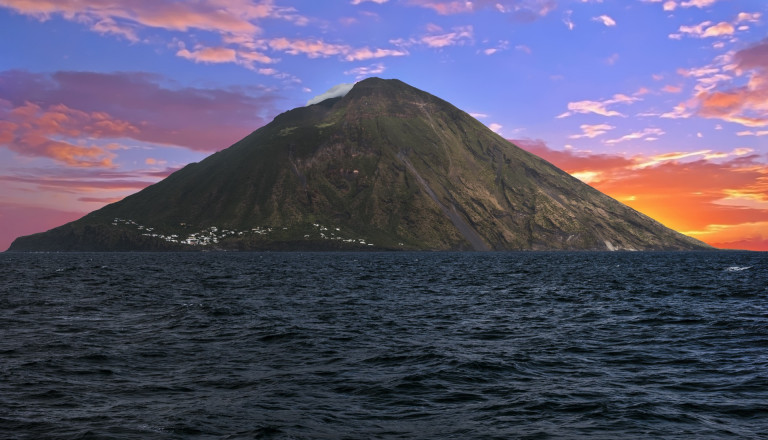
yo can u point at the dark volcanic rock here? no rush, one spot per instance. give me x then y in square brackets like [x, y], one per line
[387, 166]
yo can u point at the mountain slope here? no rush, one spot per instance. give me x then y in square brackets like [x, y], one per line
[387, 166]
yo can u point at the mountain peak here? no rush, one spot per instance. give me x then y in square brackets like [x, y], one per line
[386, 166]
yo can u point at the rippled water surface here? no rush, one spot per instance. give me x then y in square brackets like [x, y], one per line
[384, 345]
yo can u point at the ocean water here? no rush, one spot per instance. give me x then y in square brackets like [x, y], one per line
[384, 345]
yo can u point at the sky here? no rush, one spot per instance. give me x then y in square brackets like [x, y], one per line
[661, 104]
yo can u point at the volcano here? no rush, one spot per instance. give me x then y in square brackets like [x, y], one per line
[386, 166]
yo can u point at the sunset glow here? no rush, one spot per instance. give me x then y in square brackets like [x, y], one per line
[663, 105]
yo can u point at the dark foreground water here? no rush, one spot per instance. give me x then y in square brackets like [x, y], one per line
[384, 345]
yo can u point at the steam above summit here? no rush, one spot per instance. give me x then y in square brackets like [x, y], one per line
[336, 91]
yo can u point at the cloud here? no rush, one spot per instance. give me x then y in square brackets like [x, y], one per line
[235, 22]
[698, 3]
[714, 196]
[707, 29]
[523, 48]
[314, 48]
[606, 20]
[672, 89]
[599, 107]
[310, 47]
[100, 107]
[568, 21]
[231, 17]
[29, 201]
[209, 55]
[108, 26]
[336, 91]
[746, 104]
[704, 30]
[436, 37]
[573, 162]
[747, 17]
[521, 10]
[457, 36]
[671, 5]
[33, 131]
[592, 131]
[718, 30]
[357, 2]
[752, 133]
[647, 134]
[362, 72]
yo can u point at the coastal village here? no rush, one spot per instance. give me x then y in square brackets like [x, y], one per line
[213, 234]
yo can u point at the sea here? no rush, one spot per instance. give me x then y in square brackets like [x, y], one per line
[537, 345]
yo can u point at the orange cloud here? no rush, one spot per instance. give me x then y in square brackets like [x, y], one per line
[36, 132]
[719, 29]
[33, 144]
[720, 198]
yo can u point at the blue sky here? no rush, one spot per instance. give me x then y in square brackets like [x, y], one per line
[652, 102]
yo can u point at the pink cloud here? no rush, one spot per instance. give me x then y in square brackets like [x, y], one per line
[77, 185]
[444, 39]
[231, 17]
[365, 53]
[209, 55]
[311, 47]
[599, 107]
[32, 131]
[314, 48]
[747, 104]
[236, 22]
[104, 200]
[606, 20]
[109, 26]
[698, 3]
[445, 7]
[134, 106]
[522, 10]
